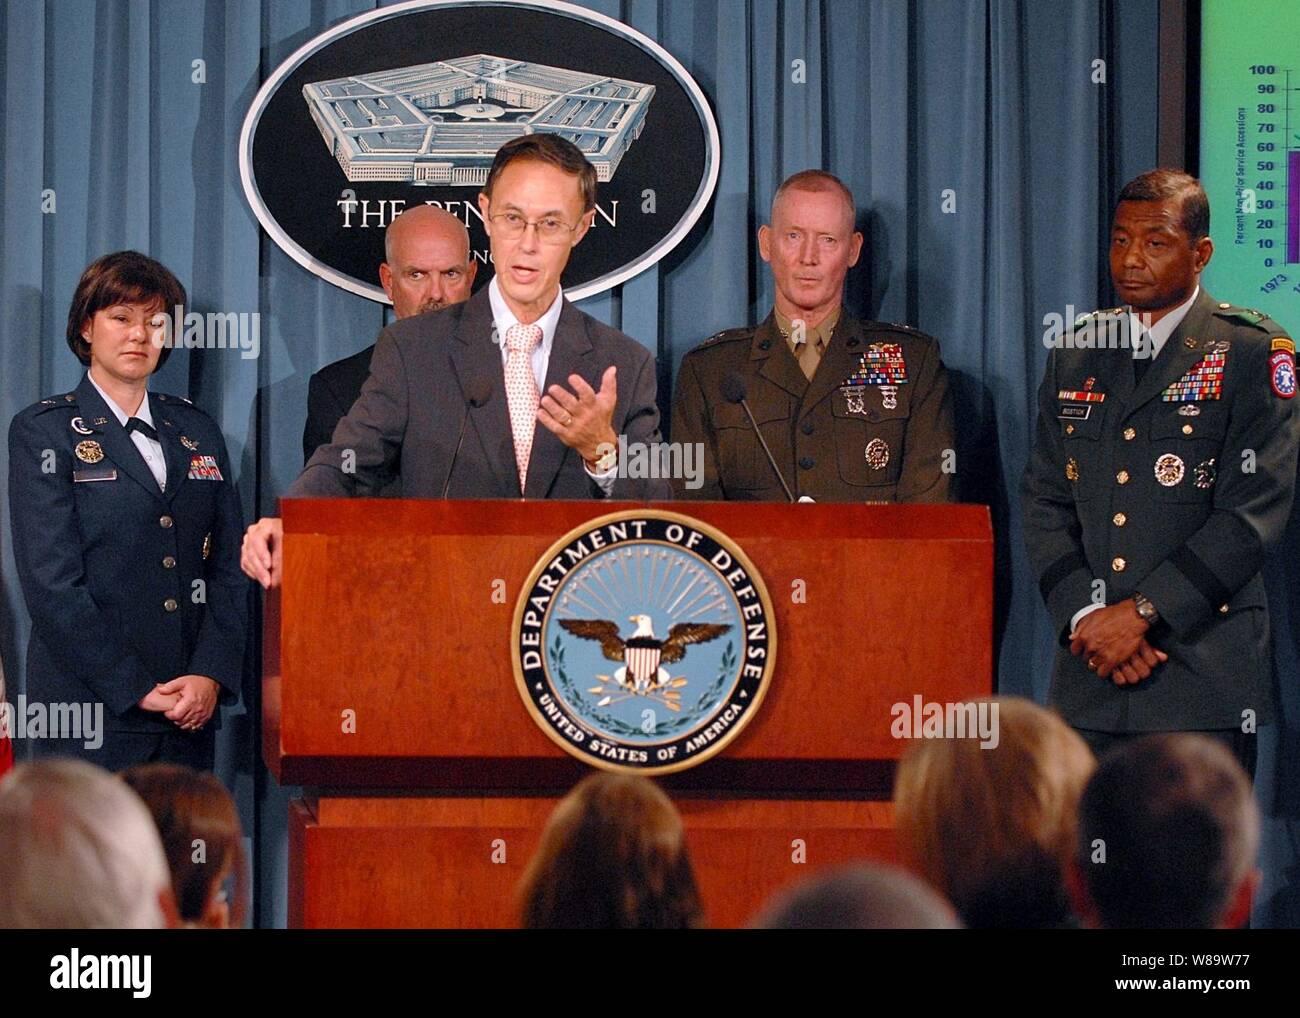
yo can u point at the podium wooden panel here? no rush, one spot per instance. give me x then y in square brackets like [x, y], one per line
[426, 813]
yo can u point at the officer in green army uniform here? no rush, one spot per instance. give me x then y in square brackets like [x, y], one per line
[852, 411]
[1163, 466]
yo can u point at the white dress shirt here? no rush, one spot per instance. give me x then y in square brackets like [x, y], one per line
[149, 448]
[1155, 338]
[505, 319]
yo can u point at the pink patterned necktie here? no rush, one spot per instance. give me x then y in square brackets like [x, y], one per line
[521, 391]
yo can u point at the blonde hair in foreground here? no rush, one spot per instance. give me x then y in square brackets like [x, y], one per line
[993, 829]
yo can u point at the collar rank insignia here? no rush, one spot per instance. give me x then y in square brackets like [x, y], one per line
[204, 468]
[1204, 381]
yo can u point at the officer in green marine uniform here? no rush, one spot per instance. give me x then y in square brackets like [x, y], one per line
[1162, 468]
[851, 411]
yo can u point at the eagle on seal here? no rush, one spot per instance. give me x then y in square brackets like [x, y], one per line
[642, 652]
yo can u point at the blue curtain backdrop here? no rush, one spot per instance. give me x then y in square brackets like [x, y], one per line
[994, 100]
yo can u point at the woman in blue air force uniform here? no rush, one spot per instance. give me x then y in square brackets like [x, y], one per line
[126, 530]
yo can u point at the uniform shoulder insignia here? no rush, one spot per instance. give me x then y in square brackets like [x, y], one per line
[1248, 315]
[900, 327]
[1099, 313]
[727, 335]
[65, 399]
[868, 328]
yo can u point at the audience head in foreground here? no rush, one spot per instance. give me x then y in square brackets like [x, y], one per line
[991, 824]
[202, 839]
[78, 850]
[862, 897]
[612, 856]
[1168, 832]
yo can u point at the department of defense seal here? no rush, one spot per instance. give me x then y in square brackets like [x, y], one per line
[643, 642]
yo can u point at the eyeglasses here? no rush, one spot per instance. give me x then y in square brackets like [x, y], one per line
[511, 225]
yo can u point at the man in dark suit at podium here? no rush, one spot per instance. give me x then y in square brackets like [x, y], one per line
[544, 391]
[427, 267]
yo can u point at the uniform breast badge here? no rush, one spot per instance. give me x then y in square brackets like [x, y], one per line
[1085, 395]
[877, 454]
[1071, 470]
[1169, 470]
[884, 366]
[189, 443]
[79, 426]
[89, 451]
[207, 546]
[1204, 381]
[204, 468]
[1205, 474]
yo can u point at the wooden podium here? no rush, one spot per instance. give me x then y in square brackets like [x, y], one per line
[389, 694]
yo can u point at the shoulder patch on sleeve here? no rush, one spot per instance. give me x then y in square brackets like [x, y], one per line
[1282, 343]
[1281, 374]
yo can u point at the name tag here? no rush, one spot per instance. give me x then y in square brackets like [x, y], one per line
[1075, 413]
[204, 468]
[100, 474]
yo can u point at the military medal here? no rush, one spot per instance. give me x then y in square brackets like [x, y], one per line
[884, 366]
[189, 443]
[1204, 381]
[79, 426]
[1188, 410]
[89, 451]
[1169, 470]
[877, 454]
[1071, 470]
[853, 397]
[204, 468]
[1205, 474]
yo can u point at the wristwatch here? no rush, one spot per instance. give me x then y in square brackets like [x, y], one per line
[1146, 609]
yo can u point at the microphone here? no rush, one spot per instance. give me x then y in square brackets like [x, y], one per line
[478, 392]
[733, 391]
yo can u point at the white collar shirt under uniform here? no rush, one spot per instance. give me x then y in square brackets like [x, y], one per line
[151, 449]
[1161, 331]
